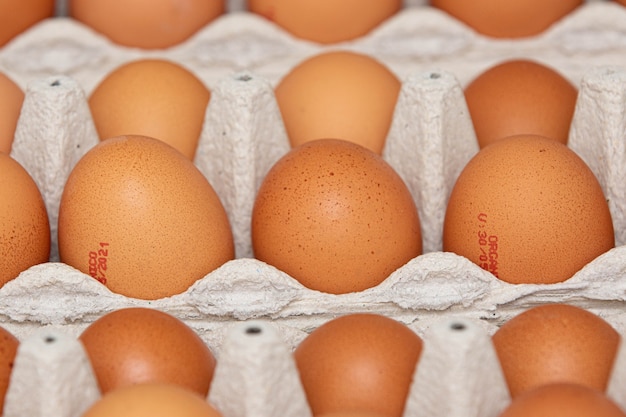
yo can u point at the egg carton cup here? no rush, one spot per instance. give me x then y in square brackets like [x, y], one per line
[241, 57]
[256, 374]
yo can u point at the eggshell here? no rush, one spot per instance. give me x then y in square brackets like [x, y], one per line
[148, 24]
[529, 210]
[152, 400]
[11, 99]
[139, 217]
[335, 216]
[508, 19]
[138, 345]
[326, 21]
[520, 96]
[8, 351]
[339, 94]
[24, 224]
[358, 362]
[151, 97]
[563, 399]
[18, 16]
[556, 343]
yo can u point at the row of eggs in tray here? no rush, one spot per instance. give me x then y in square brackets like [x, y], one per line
[361, 364]
[526, 210]
[167, 23]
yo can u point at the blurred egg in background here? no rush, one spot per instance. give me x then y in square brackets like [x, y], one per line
[151, 97]
[136, 345]
[18, 16]
[508, 19]
[358, 362]
[146, 24]
[520, 96]
[154, 400]
[8, 350]
[553, 343]
[563, 399]
[326, 21]
[11, 99]
[339, 94]
[24, 224]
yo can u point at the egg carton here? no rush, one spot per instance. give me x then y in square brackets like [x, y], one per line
[241, 57]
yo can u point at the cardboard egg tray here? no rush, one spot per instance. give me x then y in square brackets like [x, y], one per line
[452, 303]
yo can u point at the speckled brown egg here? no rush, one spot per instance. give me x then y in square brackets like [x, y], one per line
[8, 350]
[24, 224]
[11, 99]
[138, 345]
[529, 210]
[563, 399]
[521, 96]
[335, 216]
[139, 217]
[339, 94]
[556, 343]
[358, 362]
[152, 400]
[146, 24]
[151, 97]
[17, 17]
[326, 21]
[508, 19]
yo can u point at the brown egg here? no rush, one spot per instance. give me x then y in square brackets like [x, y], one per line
[8, 351]
[147, 24]
[11, 99]
[151, 97]
[138, 345]
[563, 399]
[326, 21]
[529, 210]
[339, 94]
[18, 16]
[351, 413]
[520, 97]
[358, 362]
[152, 400]
[24, 224]
[556, 343]
[508, 19]
[335, 216]
[138, 216]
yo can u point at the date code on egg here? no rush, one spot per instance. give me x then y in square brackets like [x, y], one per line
[98, 262]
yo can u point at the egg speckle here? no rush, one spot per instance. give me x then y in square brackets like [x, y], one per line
[335, 216]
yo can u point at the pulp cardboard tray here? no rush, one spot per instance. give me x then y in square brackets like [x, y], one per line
[241, 57]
